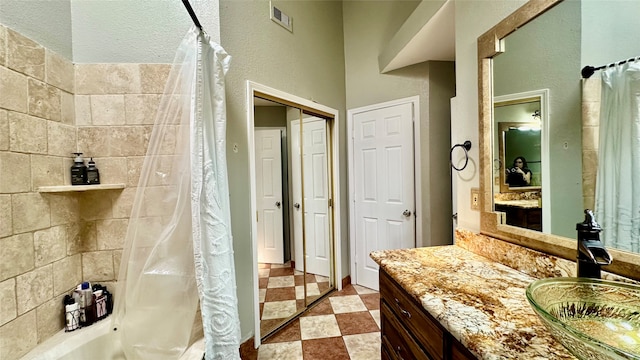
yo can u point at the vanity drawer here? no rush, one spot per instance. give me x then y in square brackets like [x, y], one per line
[396, 340]
[413, 316]
[385, 350]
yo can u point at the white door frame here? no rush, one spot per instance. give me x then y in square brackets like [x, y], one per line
[252, 87]
[415, 100]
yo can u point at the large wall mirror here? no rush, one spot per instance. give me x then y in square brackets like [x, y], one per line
[293, 168]
[544, 45]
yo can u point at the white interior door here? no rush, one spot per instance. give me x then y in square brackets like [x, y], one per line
[316, 196]
[384, 200]
[269, 196]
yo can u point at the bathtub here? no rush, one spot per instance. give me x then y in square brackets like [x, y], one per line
[95, 342]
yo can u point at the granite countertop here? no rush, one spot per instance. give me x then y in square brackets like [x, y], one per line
[482, 303]
[525, 204]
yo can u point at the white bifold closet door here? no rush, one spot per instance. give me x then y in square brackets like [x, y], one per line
[316, 195]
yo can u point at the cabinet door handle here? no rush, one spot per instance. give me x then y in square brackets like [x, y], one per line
[402, 311]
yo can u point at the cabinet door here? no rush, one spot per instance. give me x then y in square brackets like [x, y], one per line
[412, 316]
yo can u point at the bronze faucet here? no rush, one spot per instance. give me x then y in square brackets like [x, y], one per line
[591, 251]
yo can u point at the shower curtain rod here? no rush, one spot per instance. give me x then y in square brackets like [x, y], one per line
[192, 14]
[587, 71]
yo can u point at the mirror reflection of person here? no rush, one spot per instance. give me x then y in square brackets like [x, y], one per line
[519, 174]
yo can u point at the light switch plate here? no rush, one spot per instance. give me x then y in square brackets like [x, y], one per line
[475, 199]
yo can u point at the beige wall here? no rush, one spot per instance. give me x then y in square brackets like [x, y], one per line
[473, 18]
[44, 21]
[368, 27]
[50, 242]
[436, 143]
[142, 31]
[308, 63]
[270, 116]
[113, 31]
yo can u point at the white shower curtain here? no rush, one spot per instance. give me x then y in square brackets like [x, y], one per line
[617, 203]
[178, 252]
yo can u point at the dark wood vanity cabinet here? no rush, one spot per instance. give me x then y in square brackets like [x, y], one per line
[528, 218]
[409, 332]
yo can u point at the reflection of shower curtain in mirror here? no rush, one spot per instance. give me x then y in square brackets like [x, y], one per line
[617, 202]
[178, 251]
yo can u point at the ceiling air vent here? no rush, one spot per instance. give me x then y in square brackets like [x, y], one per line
[281, 18]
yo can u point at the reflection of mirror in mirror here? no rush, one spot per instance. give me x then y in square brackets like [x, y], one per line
[521, 142]
[519, 197]
[519, 175]
[518, 121]
[518, 125]
[294, 231]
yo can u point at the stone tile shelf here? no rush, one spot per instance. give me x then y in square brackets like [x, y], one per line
[76, 188]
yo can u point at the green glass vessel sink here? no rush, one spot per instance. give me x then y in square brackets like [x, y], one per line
[592, 318]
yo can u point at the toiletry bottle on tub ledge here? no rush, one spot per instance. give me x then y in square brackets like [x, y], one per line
[72, 313]
[87, 305]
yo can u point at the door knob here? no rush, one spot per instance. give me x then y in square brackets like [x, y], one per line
[406, 213]
[296, 205]
[278, 204]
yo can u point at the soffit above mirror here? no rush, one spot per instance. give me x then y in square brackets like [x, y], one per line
[428, 34]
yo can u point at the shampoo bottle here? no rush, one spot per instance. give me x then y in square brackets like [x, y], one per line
[93, 176]
[78, 171]
[72, 313]
[87, 305]
[101, 304]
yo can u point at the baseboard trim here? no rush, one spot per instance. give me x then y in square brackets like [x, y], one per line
[248, 350]
[346, 281]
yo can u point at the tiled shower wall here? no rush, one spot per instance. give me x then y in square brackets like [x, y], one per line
[39, 256]
[49, 242]
[591, 98]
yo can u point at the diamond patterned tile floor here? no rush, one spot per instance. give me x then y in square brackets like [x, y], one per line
[345, 325]
[281, 291]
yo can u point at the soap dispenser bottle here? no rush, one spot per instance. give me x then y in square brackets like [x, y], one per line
[93, 176]
[78, 171]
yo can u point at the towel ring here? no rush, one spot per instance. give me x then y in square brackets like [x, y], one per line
[466, 147]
